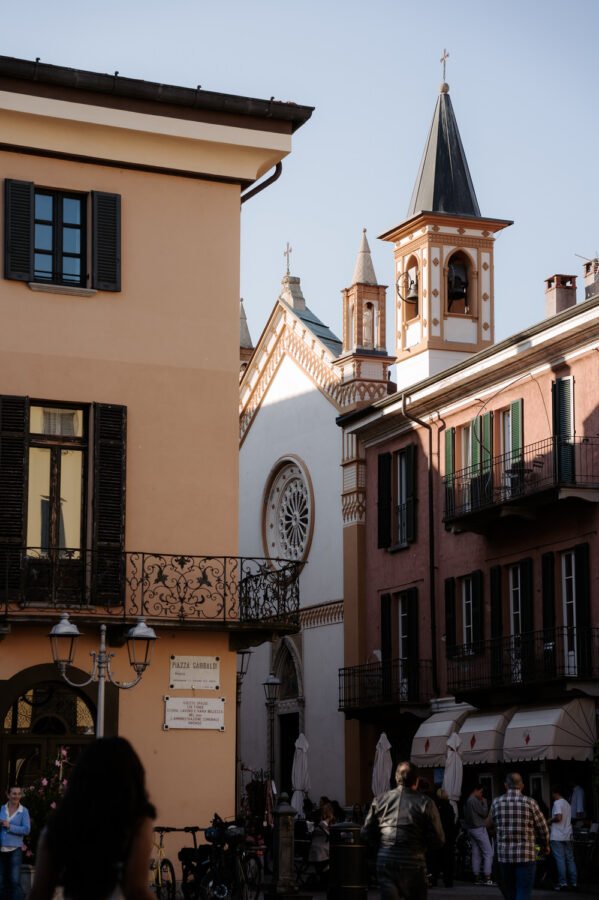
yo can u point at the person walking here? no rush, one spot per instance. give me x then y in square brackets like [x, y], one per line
[98, 843]
[14, 826]
[561, 837]
[403, 823]
[476, 816]
[519, 824]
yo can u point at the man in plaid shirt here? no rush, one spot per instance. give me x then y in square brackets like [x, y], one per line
[519, 826]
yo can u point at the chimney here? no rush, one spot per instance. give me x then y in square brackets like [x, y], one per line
[560, 294]
[591, 278]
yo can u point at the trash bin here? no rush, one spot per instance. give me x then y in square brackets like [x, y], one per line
[348, 869]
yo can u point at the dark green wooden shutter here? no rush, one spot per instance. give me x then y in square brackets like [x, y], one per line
[563, 429]
[449, 471]
[583, 608]
[476, 440]
[478, 615]
[384, 500]
[110, 432]
[411, 598]
[106, 241]
[549, 635]
[386, 647]
[450, 617]
[410, 452]
[14, 430]
[18, 230]
[487, 441]
[496, 622]
[517, 425]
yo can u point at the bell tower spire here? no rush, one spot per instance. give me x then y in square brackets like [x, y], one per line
[364, 363]
[443, 259]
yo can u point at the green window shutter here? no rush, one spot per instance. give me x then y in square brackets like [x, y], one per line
[563, 429]
[478, 618]
[496, 622]
[18, 230]
[475, 441]
[527, 595]
[548, 589]
[106, 241]
[583, 609]
[384, 500]
[487, 441]
[14, 432]
[108, 534]
[517, 429]
[410, 452]
[450, 618]
[449, 471]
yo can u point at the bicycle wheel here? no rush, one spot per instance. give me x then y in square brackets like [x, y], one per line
[214, 886]
[166, 883]
[252, 870]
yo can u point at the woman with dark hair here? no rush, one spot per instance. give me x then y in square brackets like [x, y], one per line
[98, 843]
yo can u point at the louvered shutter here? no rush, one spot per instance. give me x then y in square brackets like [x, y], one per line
[478, 619]
[110, 426]
[475, 441]
[14, 430]
[527, 641]
[548, 589]
[106, 241]
[18, 230]
[583, 608]
[384, 500]
[450, 618]
[449, 472]
[386, 646]
[496, 623]
[563, 429]
[516, 422]
[410, 452]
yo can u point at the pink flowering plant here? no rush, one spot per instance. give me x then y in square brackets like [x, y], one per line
[42, 797]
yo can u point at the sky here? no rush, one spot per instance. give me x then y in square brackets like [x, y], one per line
[523, 79]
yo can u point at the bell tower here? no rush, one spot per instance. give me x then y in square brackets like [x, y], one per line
[444, 292]
[364, 363]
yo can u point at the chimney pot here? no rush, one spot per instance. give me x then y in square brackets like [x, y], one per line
[560, 294]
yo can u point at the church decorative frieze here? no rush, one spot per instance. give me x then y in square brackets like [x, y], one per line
[325, 614]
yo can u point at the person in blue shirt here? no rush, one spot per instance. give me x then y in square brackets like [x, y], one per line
[14, 827]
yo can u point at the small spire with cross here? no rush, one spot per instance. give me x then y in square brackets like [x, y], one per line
[287, 253]
[443, 61]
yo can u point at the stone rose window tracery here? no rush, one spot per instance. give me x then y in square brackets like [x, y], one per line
[288, 514]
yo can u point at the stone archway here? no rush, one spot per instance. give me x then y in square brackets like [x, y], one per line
[289, 709]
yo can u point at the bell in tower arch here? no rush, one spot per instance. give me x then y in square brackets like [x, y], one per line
[457, 285]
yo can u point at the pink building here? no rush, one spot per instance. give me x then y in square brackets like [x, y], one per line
[476, 565]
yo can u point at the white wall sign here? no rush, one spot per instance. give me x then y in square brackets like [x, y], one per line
[194, 712]
[200, 673]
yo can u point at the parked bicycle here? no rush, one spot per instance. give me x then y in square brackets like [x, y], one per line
[234, 870]
[164, 883]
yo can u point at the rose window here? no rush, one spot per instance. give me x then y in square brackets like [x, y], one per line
[288, 514]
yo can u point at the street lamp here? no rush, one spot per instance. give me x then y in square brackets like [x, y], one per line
[243, 661]
[271, 692]
[140, 640]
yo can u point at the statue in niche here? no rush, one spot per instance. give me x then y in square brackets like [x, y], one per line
[368, 326]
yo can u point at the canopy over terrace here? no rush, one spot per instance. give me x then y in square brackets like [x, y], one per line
[552, 732]
[482, 736]
[429, 747]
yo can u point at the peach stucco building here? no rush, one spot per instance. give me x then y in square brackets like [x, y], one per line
[477, 562]
[119, 375]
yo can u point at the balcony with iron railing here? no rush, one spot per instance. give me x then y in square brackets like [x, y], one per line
[553, 468]
[403, 682]
[196, 591]
[533, 660]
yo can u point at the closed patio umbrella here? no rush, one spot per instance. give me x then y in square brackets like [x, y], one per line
[381, 771]
[300, 778]
[454, 770]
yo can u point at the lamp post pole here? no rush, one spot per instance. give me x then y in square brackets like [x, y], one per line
[271, 691]
[243, 661]
[140, 639]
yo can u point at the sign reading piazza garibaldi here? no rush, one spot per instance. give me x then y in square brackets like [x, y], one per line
[200, 673]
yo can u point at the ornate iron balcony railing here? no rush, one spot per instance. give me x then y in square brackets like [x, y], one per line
[384, 683]
[554, 462]
[222, 590]
[532, 658]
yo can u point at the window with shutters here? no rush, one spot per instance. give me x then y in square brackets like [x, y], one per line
[399, 644]
[57, 461]
[397, 498]
[466, 617]
[563, 429]
[575, 611]
[58, 237]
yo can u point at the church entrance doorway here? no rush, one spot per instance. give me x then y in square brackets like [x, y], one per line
[289, 730]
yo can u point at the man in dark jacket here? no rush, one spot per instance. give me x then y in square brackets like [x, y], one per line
[403, 823]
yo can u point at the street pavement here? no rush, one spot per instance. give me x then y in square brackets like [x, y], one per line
[470, 890]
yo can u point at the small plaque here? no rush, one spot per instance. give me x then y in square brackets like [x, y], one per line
[194, 712]
[195, 673]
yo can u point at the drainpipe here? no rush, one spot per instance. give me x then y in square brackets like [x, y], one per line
[268, 181]
[431, 540]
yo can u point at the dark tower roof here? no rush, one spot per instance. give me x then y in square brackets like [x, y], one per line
[443, 183]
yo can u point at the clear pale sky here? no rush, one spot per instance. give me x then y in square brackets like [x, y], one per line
[524, 85]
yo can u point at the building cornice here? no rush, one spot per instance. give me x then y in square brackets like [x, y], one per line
[322, 614]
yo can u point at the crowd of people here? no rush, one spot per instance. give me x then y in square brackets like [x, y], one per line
[414, 830]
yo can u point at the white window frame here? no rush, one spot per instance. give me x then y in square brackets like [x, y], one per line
[568, 572]
[467, 612]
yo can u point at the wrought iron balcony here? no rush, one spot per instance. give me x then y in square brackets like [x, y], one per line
[193, 590]
[398, 681]
[553, 463]
[535, 658]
